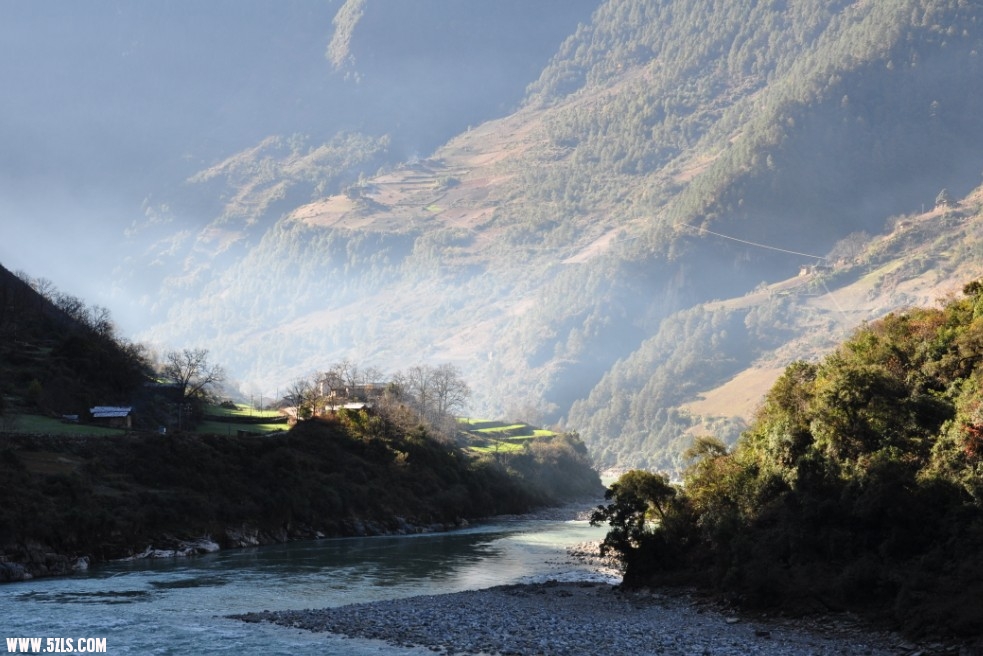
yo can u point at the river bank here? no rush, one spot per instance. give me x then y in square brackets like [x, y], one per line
[74, 501]
[596, 616]
[30, 560]
[584, 619]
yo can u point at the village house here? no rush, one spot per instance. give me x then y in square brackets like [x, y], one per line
[816, 268]
[112, 416]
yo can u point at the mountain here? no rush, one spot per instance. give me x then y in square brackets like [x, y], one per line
[615, 248]
[708, 367]
[115, 111]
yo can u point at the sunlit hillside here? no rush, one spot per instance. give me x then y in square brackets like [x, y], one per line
[573, 257]
[597, 210]
[708, 369]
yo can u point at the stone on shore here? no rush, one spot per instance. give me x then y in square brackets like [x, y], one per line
[576, 619]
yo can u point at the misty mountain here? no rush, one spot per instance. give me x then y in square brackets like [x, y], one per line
[616, 249]
[113, 111]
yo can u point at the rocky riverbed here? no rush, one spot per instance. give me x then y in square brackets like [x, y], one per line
[583, 619]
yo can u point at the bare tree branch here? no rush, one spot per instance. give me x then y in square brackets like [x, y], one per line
[191, 370]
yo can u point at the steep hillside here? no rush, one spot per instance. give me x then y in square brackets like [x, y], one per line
[564, 255]
[708, 368]
[59, 356]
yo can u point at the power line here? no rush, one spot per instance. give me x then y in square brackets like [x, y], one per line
[839, 308]
[750, 243]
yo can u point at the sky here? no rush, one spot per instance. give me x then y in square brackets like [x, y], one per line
[107, 103]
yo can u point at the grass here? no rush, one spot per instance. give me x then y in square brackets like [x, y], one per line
[240, 411]
[52, 426]
[249, 415]
[470, 423]
[491, 436]
[502, 429]
[498, 447]
[232, 428]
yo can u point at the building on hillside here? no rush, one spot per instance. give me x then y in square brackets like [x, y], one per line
[355, 405]
[335, 391]
[112, 416]
[815, 268]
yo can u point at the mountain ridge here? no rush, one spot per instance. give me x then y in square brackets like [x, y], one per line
[544, 248]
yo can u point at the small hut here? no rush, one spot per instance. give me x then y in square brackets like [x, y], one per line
[112, 416]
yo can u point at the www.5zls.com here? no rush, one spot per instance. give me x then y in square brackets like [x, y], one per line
[56, 645]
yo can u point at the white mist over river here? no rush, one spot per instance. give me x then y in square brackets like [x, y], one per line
[178, 606]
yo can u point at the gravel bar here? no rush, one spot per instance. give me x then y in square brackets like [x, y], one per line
[583, 619]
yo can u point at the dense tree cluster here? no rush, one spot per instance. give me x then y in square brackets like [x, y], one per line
[859, 484]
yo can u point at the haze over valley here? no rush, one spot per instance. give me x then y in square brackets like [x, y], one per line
[624, 218]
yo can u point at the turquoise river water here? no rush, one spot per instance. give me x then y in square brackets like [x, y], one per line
[178, 606]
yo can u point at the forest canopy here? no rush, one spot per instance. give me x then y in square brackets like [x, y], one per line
[859, 484]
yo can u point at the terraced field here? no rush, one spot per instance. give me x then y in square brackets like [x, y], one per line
[483, 435]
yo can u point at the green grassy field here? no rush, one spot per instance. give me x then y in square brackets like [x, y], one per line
[497, 447]
[490, 436]
[53, 426]
[220, 420]
[240, 410]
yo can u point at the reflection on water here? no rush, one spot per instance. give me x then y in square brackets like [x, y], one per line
[178, 605]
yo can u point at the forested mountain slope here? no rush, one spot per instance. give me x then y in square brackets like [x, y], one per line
[563, 255]
[708, 367]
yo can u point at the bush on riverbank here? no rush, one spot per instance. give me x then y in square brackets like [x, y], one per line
[110, 497]
[858, 486]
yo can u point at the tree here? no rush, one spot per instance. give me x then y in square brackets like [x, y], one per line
[705, 446]
[305, 395]
[348, 373]
[450, 392]
[100, 320]
[190, 369]
[42, 286]
[73, 306]
[436, 393]
[850, 247]
[636, 498]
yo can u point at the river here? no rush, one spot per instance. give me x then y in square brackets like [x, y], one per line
[178, 606]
